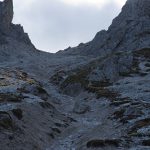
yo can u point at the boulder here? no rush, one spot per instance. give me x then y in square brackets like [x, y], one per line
[80, 108]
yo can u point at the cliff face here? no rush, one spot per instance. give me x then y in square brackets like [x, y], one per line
[136, 9]
[133, 10]
[14, 42]
[6, 15]
[7, 28]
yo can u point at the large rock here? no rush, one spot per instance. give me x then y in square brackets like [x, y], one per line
[6, 15]
[9, 30]
[112, 67]
[80, 107]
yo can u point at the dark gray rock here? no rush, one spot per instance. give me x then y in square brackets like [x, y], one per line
[7, 29]
[111, 68]
[89, 96]
[72, 89]
[6, 15]
[80, 106]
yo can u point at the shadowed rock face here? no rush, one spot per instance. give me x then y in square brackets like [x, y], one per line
[10, 34]
[6, 15]
[133, 11]
[138, 8]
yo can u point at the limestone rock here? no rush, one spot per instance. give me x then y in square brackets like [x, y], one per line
[6, 15]
[111, 68]
[80, 106]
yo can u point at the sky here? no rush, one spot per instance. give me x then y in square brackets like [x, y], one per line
[54, 25]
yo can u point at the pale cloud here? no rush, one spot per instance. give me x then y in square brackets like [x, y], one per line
[56, 24]
[120, 3]
[96, 3]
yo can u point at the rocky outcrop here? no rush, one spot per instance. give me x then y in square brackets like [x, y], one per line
[129, 31]
[94, 96]
[6, 15]
[7, 28]
[100, 72]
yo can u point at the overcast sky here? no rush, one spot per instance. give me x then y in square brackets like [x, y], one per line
[57, 24]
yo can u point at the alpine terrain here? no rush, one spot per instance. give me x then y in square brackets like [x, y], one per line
[95, 96]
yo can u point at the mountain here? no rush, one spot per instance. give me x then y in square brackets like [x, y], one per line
[129, 31]
[93, 96]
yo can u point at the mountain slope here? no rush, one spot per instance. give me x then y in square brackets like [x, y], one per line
[94, 96]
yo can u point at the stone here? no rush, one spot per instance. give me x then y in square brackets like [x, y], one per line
[18, 113]
[6, 15]
[112, 67]
[80, 107]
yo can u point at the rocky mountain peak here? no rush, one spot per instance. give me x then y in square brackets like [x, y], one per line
[137, 8]
[11, 33]
[6, 15]
[133, 10]
[129, 31]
